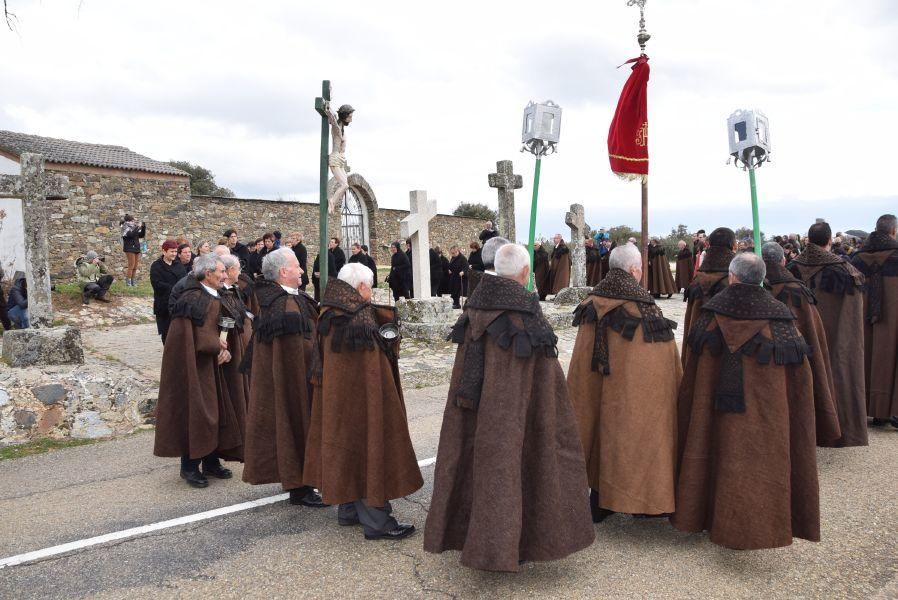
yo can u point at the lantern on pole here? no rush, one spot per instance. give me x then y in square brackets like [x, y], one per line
[749, 137]
[540, 134]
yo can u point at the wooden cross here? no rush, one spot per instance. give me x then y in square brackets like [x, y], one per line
[322, 183]
[506, 183]
[417, 227]
[579, 229]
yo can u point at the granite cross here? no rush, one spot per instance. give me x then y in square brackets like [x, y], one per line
[579, 230]
[506, 182]
[416, 226]
[35, 187]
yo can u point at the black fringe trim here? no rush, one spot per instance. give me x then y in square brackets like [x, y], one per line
[285, 323]
[193, 304]
[348, 337]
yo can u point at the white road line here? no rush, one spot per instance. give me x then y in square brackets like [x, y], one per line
[144, 529]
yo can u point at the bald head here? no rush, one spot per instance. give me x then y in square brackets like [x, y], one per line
[221, 250]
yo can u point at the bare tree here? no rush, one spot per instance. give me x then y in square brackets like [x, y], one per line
[9, 17]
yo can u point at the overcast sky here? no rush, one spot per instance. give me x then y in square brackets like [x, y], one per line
[439, 90]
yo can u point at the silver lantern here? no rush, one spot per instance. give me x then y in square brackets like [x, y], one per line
[541, 128]
[749, 136]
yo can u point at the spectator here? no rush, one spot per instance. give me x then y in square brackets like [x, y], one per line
[185, 256]
[17, 305]
[339, 255]
[203, 247]
[93, 277]
[488, 232]
[458, 276]
[400, 277]
[302, 255]
[474, 260]
[131, 236]
[436, 271]
[237, 249]
[277, 239]
[165, 272]
[358, 255]
[255, 259]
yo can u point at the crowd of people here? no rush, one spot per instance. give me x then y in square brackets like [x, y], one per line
[779, 356]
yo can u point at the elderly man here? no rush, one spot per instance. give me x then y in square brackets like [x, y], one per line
[685, 264]
[747, 457]
[560, 266]
[93, 277]
[488, 256]
[360, 453]
[510, 475]
[838, 288]
[234, 306]
[711, 277]
[878, 260]
[488, 233]
[285, 365]
[196, 418]
[623, 380]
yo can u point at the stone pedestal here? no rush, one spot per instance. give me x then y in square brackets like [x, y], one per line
[48, 346]
[428, 319]
[572, 295]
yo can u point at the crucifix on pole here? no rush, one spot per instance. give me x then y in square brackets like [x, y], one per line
[323, 206]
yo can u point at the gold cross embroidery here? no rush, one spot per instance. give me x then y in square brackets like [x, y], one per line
[642, 135]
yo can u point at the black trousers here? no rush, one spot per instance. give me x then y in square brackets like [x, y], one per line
[193, 464]
[162, 324]
[99, 289]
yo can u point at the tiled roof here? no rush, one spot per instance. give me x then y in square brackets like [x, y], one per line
[78, 153]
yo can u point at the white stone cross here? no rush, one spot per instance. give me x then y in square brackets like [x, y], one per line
[416, 226]
[505, 180]
[579, 229]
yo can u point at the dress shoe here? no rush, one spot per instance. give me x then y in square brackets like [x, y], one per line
[878, 422]
[195, 479]
[306, 496]
[218, 471]
[401, 530]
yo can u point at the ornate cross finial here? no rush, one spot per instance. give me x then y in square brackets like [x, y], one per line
[643, 36]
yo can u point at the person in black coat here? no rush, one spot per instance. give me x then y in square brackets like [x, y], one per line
[458, 276]
[237, 249]
[400, 277]
[165, 272]
[316, 273]
[17, 305]
[4, 319]
[488, 233]
[339, 256]
[369, 262]
[436, 273]
[411, 274]
[357, 255]
[444, 274]
[302, 255]
[474, 260]
[131, 236]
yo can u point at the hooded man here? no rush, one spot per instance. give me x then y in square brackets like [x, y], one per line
[561, 265]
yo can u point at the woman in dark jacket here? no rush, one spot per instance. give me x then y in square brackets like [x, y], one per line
[131, 236]
[444, 278]
[165, 272]
[458, 276]
[400, 277]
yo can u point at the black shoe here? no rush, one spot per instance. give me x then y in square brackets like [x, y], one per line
[85, 298]
[401, 530]
[669, 296]
[878, 422]
[598, 514]
[348, 522]
[306, 496]
[218, 471]
[195, 479]
[895, 422]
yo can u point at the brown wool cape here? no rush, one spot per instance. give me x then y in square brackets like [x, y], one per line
[510, 479]
[232, 305]
[541, 274]
[593, 266]
[838, 288]
[801, 300]
[710, 279]
[747, 458]
[196, 415]
[623, 380]
[660, 278]
[878, 261]
[685, 266]
[560, 268]
[359, 446]
[285, 363]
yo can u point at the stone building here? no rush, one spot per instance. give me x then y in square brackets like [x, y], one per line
[109, 181]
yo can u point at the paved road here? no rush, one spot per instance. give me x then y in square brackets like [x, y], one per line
[280, 551]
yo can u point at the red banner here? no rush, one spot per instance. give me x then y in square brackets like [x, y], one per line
[628, 137]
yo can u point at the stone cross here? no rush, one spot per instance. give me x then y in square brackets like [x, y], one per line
[35, 187]
[579, 230]
[416, 226]
[506, 182]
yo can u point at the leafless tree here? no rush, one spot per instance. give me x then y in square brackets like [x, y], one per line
[9, 17]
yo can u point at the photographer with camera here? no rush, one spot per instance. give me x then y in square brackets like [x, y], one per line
[93, 277]
[131, 235]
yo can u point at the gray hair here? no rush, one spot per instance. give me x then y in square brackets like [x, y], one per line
[274, 261]
[204, 264]
[886, 224]
[221, 250]
[748, 267]
[772, 252]
[510, 259]
[355, 274]
[230, 261]
[625, 258]
[488, 254]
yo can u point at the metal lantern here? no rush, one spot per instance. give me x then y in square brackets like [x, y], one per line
[749, 136]
[541, 128]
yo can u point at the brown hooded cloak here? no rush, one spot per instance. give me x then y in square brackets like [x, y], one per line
[747, 457]
[711, 278]
[542, 274]
[660, 278]
[510, 481]
[560, 268]
[359, 446]
[232, 305]
[623, 380]
[838, 288]
[685, 266]
[593, 266]
[285, 363]
[196, 415]
[878, 261]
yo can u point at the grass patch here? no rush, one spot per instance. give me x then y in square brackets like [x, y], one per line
[143, 289]
[40, 447]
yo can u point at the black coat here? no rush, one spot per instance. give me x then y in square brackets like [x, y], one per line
[131, 240]
[444, 275]
[475, 261]
[302, 256]
[18, 294]
[364, 259]
[242, 253]
[163, 278]
[487, 235]
[458, 286]
[400, 277]
[339, 258]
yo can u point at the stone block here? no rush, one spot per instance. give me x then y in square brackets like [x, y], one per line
[4, 397]
[89, 425]
[49, 394]
[51, 346]
[425, 310]
[572, 295]
[25, 419]
[51, 419]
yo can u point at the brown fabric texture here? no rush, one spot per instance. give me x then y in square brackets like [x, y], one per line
[685, 265]
[542, 275]
[285, 362]
[881, 331]
[359, 445]
[236, 380]
[711, 278]
[593, 266]
[195, 415]
[660, 278]
[510, 480]
[627, 418]
[838, 288]
[560, 268]
[749, 478]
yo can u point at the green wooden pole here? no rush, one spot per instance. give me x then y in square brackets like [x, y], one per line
[531, 283]
[322, 191]
[756, 221]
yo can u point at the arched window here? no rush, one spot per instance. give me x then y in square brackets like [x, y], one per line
[353, 224]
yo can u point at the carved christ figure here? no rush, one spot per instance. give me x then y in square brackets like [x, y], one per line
[337, 158]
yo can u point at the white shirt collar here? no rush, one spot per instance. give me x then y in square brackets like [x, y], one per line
[290, 290]
[212, 291]
[488, 272]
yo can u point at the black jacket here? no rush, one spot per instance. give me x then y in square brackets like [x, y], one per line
[131, 240]
[486, 234]
[18, 293]
[242, 253]
[302, 255]
[366, 260]
[400, 277]
[475, 261]
[339, 258]
[163, 278]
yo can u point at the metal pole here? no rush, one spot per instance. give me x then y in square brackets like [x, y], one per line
[322, 196]
[645, 233]
[531, 283]
[756, 221]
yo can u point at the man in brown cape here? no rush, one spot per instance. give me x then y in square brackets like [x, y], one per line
[747, 457]
[541, 275]
[284, 363]
[660, 278]
[510, 476]
[838, 287]
[878, 261]
[560, 266]
[623, 380]
[593, 263]
[359, 453]
[711, 277]
[685, 264]
[239, 333]
[196, 418]
[801, 300]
